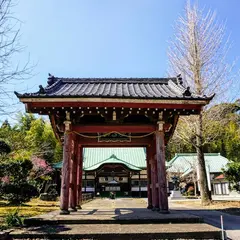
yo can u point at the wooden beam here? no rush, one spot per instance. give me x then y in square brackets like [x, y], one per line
[114, 128]
[114, 102]
[53, 123]
[136, 142]
[36, 106]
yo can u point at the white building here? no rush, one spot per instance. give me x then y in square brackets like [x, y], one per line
[185, 165]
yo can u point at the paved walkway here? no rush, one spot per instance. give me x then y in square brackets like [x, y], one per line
[212, 217]
[126, 216]
[119, 232]
[125, 209]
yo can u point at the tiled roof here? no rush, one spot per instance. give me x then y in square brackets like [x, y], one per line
[185, 162]
[112, 159]
[133, 158]
[147, 88]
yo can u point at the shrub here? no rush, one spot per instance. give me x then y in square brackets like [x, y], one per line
[18, 193]
[13, 219]
[40, 174]
[232, 174]
[16, 189]
[4, 148]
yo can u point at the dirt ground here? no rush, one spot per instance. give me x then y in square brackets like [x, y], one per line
[231, 207]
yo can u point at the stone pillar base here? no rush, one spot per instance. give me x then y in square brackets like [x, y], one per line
[73, 210]
[164, 211]
[64, 212]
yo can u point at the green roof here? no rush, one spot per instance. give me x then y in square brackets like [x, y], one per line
[93, 158]
[185, 162]
[112, 159]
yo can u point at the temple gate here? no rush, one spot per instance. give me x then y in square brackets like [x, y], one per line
[113, 112]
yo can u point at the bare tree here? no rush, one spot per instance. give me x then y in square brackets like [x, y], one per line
[9, 47]
[199, 52]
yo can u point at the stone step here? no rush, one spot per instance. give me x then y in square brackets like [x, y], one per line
[119, 232]
[40, 222]
[119, 216]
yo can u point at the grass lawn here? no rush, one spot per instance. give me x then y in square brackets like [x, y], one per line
[32, 208]
[231, 207]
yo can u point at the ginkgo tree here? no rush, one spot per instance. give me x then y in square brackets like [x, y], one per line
[199, 52]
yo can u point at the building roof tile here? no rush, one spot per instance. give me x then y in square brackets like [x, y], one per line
[147, 88]
[133, 158]
[186, 162]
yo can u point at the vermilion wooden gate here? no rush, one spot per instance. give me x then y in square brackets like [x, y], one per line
[144, 110]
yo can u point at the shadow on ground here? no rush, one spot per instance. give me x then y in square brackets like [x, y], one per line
[46, 229]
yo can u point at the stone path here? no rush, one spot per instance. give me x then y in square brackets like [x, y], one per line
[119, 219]
[121, 209]
[120, 231]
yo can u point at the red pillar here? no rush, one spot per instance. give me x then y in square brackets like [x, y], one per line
[161, 169]
[73, 176]
[64, 197]
[149, 190]
[80, 173]
[155, 197]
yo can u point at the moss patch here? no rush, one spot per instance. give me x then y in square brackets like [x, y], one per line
[29, 209]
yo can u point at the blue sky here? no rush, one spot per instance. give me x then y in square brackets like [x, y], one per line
[105, 38]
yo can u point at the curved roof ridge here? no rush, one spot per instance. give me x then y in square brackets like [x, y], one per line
[118, 80]
[193, 154]
[125, 161]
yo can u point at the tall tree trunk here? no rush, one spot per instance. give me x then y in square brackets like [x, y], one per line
[205, 193]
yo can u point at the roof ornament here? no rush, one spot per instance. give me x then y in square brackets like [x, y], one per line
[41, 89]
[187, 92]
[179, 79]
[51, 79]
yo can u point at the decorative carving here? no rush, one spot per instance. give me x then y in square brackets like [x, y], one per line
[160, 116]
[114, 137]
[67, 122]
[160, 125]
[68, 116]
[114, 116]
